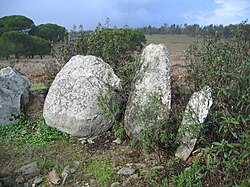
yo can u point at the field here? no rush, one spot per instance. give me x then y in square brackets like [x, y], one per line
[174, 43]
[98, 161]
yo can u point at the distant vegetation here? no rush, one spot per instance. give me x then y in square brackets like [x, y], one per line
[21, 37]
[194, 30]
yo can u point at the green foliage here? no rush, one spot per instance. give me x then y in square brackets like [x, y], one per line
[39, 46]
[14, 42]
[35, 133]
[49, 31]
[156, 132]
[101, 171]
[115, 46]
[15, 23]
[51, 70]
[190, 177]
[19, 43]
[224, 65]
[110, 106]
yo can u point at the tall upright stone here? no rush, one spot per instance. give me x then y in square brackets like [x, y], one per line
[14, 94]
[72, 101]
[151, 93]
[193, 118]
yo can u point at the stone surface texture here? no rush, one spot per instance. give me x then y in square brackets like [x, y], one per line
[14, 94]
[194, 115]
[72, 101]
[153, 77]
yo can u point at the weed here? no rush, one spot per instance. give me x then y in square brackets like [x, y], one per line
[156, 131]
[101, 171]
[190, 177]
[110, 106]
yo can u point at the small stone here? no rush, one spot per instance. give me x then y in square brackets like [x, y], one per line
[158, 168]
[140, 165]
[7, 181]
[126, 171]
[129, 180]
[118, 141]
[20, 179]
[38, 180]
[116, 184]
[53, 177]
[26, 184]
[28, 169]
[66, 175]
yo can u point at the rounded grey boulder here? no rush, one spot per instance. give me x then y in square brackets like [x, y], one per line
[72, 101]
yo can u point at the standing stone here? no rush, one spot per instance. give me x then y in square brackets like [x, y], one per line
[72, 101]
[195, 114]
[152, 82]
[14, 94]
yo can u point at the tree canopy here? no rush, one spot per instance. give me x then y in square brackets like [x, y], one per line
[49, 31]
[15, 23]
[14, 42]
[19, 43]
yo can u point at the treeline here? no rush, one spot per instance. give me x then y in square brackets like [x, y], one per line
[19, 36]
[193, 30]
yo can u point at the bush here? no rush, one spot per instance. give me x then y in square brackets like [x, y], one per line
[117, 47]
[225, 67]
[157, 132]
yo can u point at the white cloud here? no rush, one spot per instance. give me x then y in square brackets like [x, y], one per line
[226, 12]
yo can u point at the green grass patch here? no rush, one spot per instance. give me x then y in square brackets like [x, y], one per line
[101, 171]
[35, 87]
[35, 133]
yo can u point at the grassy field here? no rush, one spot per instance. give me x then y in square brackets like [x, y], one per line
[174, 43]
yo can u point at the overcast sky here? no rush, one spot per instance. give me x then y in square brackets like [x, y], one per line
[135, 13]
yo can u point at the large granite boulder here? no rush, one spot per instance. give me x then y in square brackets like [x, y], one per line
[150, 98]
[14, 94]
[194, 115]
[72, 101]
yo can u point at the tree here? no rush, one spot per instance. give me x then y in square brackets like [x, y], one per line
[39, 46]
[49, 31]
[15, 23]
[15, 42]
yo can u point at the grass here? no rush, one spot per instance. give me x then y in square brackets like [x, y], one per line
[174, 43]
[35, 87]
[101, 171]
[33, 141]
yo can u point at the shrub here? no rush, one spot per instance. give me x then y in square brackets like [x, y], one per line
[117, 47]
[157, 132]
[224, 65]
